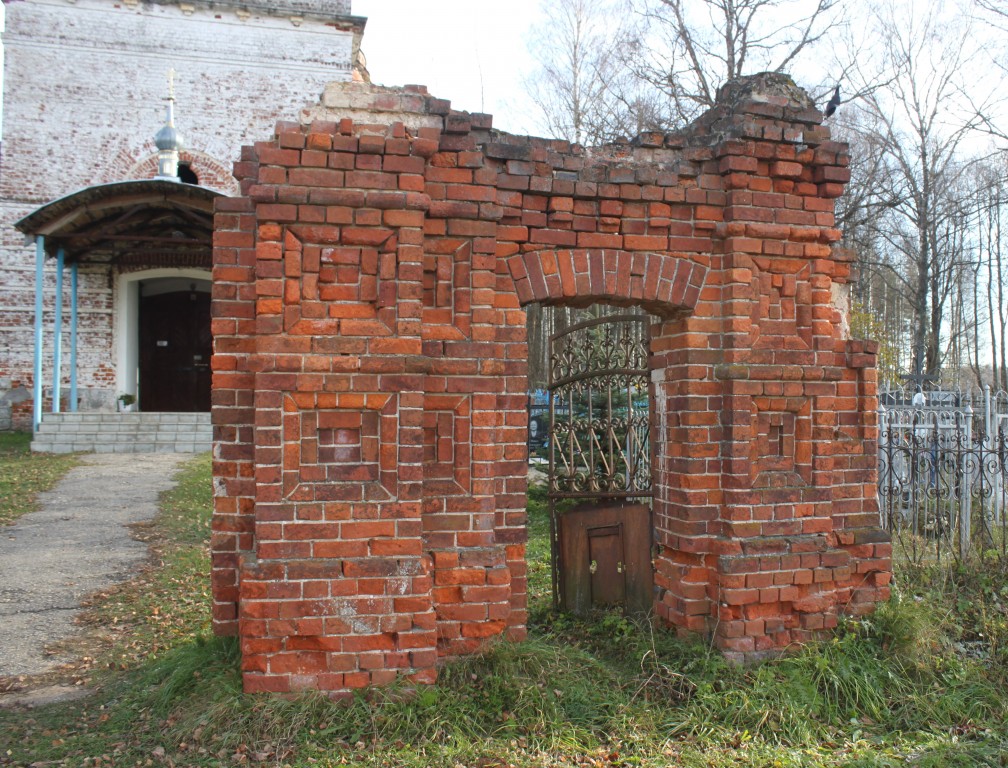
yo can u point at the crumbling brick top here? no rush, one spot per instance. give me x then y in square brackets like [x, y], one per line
[328, 9]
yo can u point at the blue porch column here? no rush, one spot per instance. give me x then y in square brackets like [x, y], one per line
[57, 389]
[73, 337]
[37, 370]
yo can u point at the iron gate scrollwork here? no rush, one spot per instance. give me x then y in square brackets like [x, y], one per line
[600, 462]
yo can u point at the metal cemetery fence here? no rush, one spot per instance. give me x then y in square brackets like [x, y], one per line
[538, 429]
[943, 471]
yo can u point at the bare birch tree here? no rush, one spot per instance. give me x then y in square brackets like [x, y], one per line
[990, 289]
[923, 120]
[584, 90]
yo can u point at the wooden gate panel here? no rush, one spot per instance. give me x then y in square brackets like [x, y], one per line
[617, 540]
[606, 565]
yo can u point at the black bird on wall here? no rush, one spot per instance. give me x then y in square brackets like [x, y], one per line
[833, 103]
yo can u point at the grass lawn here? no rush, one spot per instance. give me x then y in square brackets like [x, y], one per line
[921, 683]
[23, 475]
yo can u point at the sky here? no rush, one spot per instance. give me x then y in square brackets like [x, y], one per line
[471, 52]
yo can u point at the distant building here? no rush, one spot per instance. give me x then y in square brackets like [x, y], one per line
[85, 89]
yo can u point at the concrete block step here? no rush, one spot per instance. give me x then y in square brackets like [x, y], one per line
[107, 432]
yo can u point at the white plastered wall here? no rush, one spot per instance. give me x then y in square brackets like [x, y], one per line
[84, 88]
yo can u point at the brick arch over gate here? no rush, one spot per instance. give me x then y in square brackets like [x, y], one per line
[370, 377]
[664, 284]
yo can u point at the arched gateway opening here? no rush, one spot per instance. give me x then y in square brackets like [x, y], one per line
[598, 479]
[370, 378]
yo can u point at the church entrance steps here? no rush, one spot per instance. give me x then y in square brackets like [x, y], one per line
[123, 433]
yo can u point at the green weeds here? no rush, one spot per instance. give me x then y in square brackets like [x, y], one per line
[540, 582]
[23, 475]
[894, 689]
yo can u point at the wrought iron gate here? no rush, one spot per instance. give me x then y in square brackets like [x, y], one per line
[600, 468]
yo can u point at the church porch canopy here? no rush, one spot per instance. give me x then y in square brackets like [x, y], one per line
[126, 224]
[150, 222]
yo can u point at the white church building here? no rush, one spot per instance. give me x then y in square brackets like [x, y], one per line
[105, 248]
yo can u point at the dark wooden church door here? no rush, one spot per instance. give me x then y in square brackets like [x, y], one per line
[175, 348]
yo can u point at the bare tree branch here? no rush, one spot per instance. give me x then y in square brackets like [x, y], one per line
[687, 49]
[585, 92]
[921, 125]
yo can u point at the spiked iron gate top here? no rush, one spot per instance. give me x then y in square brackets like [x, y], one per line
[600, 456]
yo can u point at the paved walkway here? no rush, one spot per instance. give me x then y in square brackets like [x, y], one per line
[77, 543]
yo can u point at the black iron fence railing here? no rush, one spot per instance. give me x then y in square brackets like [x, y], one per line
[943, 473]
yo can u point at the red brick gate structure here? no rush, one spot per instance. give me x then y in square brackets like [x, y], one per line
[370, 377]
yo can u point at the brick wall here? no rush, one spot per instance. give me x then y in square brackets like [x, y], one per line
[370, 376]
[239, 68]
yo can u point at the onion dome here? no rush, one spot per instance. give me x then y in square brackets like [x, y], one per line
[168, 140]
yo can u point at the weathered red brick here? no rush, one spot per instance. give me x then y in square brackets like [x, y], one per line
[383, 382]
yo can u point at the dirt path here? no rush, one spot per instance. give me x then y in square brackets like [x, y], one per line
[77, 543]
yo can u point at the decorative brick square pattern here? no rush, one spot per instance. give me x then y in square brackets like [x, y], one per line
[447, 445]
[333, 453]
[781, 448]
